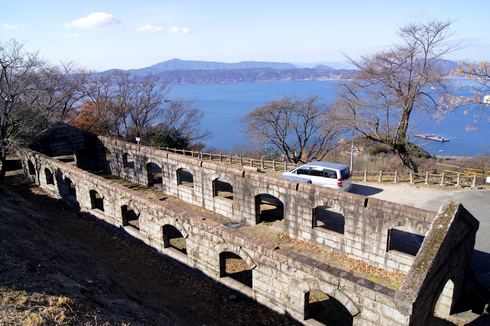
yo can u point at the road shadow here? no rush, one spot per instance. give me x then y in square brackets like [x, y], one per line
[481, 266]
[440, 322]
[480, 321]
[364, 190]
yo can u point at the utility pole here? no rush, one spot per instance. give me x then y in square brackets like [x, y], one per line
[352, 152]
[138, 140]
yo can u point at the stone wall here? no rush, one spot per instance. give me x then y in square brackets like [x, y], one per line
[280, 278]
[436, 282]
[367, 221]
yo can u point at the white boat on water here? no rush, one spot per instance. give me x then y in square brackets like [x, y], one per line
[486, 99]
[433, 137]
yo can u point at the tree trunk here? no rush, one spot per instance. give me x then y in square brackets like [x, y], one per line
[3, 163]
[405, 157]
[401, 141]
[401, 132]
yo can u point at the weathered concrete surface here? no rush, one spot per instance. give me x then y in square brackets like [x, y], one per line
[367, 222]
[293, 256]
[444, 260]
[476, 201]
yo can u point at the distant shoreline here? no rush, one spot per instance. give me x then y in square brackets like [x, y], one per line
[285, 80]
[458, 157]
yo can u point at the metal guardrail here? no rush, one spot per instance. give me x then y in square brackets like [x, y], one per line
[443, 178]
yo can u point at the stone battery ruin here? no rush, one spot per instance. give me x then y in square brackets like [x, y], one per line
[322, 256]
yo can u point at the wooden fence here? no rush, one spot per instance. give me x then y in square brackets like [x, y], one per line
[482, 172]
[443, 178]
[237, 160]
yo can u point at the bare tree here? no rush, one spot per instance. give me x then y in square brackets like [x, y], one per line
[33, 95]
[391, 84]
[146, 103]
[480, 74]
[99, 107]
[182, 116]
[127, 106]
[300, 130]
[18, 71]
[59, 91]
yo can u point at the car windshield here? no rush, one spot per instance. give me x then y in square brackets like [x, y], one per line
[344, 174]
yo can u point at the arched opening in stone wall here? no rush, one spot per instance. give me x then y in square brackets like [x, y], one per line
[185, 178]
[107, 159]
[154, 172]
[126, 161]
[233, 266]
[31, 168]
[404, 242]
[326, 309]
[49, 176]
[443, 307]
[69, 191]
[173, 238]
[328, 218]
[268, 208]
[96, 200]
[130, 217]
[222, 189]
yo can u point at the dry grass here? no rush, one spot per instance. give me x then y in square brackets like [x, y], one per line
[61, 268]
[34, 319]
[34, 309]
[236, 265]
[332, 257]
[317, 296]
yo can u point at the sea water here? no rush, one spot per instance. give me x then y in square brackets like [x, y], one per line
[225, 105]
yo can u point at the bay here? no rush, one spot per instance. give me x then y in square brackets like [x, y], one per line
[225, 105]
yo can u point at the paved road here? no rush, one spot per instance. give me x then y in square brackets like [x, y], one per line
[475, 201]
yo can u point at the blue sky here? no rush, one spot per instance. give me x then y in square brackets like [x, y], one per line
[103, 34]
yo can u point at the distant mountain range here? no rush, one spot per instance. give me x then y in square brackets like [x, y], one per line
[206, 72]
[447, 66]
[178, 64]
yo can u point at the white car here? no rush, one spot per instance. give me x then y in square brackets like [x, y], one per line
[325, 174]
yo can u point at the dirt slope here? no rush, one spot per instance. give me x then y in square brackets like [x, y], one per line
[58, 267]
